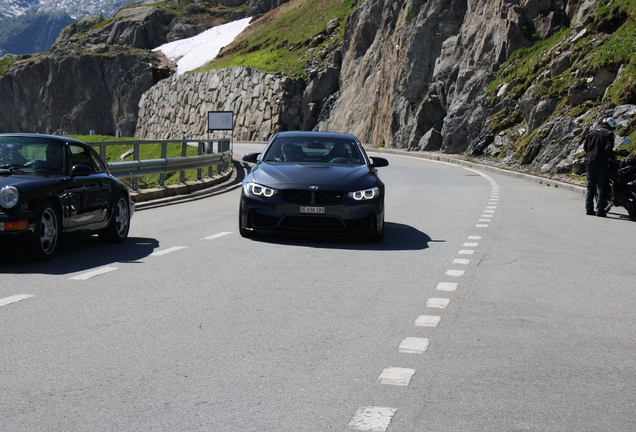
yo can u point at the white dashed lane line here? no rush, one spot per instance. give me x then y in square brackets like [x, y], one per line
[93, 273]
[168, 250]
[428, 321]
[413, 345]
[216, 236]
[439, 303]
[396, 376]
[378, 419]
[446, 286]
[107, 269]
[13, 299]
[372, 419]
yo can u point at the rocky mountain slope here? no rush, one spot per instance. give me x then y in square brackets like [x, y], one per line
[516, 81]
[32, 26]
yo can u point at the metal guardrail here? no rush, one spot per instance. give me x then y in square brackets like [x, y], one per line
[206, 157]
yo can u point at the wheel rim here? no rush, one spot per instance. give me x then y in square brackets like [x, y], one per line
[48, 231]
[121, 217]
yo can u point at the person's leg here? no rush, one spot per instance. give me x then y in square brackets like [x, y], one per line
[602, 183]
[590, 192]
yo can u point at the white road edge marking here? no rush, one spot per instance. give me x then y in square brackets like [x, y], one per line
[428, 321]
[167, 251]
[396, 376]
[413, 345]
[14, 298]
[215, 236]
[94, 273]
[372, 419]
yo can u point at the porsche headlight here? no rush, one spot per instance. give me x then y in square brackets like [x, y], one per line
[259, 190]
[9, 196]
[366, 194]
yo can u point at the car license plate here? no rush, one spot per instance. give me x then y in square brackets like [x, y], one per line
[313, 210]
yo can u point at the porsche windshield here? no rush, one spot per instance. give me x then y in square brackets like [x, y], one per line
[28, 152]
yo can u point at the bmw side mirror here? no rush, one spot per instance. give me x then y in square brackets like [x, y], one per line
[251, 157]
[378, 162]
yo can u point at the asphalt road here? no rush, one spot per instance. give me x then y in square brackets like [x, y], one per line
[493, 304]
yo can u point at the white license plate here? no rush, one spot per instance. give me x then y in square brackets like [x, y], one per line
[313, 210]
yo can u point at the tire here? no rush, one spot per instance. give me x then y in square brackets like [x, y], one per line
[376, 236]
[119, 226]
[47, 233]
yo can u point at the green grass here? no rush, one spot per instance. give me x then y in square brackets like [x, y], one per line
[282, 40]
[5, 64]
[146, 151]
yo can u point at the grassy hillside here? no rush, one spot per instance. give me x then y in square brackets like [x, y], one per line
[285, 39]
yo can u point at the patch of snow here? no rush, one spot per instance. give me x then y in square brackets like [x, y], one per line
[198, 50]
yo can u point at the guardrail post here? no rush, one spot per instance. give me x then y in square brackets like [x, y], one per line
[164, 155]
[209, 145]
[135, 180]
[184, 153]
[199, 153]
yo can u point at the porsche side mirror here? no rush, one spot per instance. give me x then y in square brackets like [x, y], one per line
[81, 170]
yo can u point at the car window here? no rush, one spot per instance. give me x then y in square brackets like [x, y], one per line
[37, 153]
[80, 156]
[98, 164]
[328, 151]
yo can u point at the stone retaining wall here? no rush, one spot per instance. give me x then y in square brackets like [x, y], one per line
[263, 103]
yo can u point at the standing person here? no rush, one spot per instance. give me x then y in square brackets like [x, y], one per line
[599, 149]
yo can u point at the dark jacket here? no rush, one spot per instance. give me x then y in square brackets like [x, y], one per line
[599, 146]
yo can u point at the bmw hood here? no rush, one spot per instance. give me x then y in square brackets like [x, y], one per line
[301, 175]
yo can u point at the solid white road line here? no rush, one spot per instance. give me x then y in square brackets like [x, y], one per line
[14, 298]
[396, 376]
[97, 272]
[167, 251]
[216, 236]
[372, 419]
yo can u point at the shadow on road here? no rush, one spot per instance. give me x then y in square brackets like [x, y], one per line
[397, 237]
[80, 254]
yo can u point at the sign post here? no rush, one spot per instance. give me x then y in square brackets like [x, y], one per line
[221, 121]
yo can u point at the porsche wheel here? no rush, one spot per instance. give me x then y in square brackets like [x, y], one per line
[47, 233]
[119, 226]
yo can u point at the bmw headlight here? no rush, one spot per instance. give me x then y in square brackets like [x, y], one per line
[259, 190]
[9, 196]
[366, 194]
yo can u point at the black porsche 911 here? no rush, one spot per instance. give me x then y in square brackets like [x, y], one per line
[313, 182]
[52, 186]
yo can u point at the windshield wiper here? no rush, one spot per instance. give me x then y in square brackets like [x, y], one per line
[10, 168]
